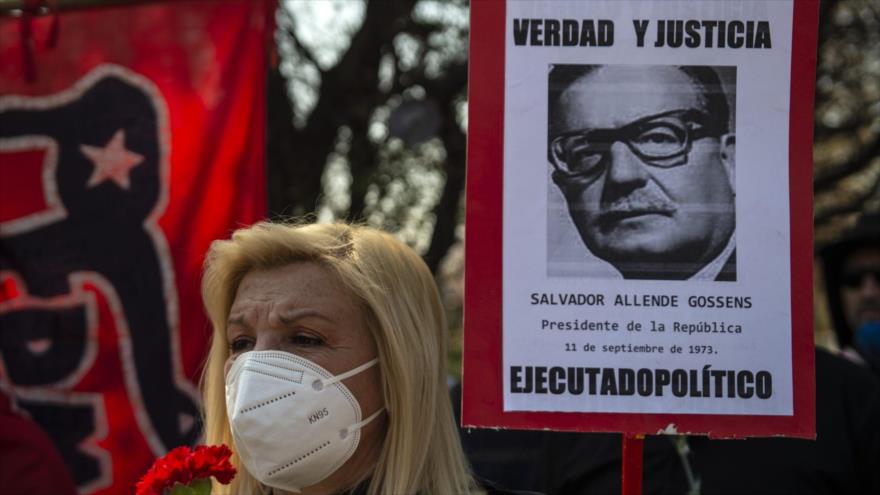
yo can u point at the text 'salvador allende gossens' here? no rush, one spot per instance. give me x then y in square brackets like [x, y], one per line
[639, 300]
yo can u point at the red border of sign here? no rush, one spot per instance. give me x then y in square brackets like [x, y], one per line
[482, 396]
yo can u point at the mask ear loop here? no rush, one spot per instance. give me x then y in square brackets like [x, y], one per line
[343, 433]
[319, 384]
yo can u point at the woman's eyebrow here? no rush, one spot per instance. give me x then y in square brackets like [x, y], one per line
[236, 320]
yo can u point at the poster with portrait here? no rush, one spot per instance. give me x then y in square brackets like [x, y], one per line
[638, 247]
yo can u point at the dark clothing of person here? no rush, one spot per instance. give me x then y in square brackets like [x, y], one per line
[29, 463]
[845, 457]
[566, 463]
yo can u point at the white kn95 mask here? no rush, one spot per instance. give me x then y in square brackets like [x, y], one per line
[292, 421]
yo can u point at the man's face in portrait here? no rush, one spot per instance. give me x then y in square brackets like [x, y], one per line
[646, 173]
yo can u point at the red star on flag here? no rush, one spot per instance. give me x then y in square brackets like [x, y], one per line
[113, 161]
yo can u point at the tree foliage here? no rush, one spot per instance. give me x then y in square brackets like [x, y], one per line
[847, 115]
[377, 134]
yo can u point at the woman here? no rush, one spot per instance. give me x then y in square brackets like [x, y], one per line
[326, 370]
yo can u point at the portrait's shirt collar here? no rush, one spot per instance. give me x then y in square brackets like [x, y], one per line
[711, 271]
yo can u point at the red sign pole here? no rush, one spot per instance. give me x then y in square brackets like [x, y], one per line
[631, 481]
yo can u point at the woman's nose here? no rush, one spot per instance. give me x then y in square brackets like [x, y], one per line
[269, 342]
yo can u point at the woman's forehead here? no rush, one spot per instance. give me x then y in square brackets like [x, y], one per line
[293, 286]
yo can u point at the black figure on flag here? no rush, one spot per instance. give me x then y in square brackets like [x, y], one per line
[104, 183]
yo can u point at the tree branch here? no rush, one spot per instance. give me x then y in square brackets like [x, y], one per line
[347, 96]
[302, 49]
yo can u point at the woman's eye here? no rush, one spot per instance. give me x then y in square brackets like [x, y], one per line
[306, 340]
[239, 345]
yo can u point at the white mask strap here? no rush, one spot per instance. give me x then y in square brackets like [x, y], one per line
[352, 372]
[357, 426]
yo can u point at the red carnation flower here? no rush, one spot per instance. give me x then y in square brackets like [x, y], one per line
[190, 468]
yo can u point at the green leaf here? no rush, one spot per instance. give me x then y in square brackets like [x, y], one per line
[180, 489]
[200, 486]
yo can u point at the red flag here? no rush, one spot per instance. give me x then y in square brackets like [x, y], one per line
[139, 140]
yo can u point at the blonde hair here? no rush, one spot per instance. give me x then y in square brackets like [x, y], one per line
[421, 451]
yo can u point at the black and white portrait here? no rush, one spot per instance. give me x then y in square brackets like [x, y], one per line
[642, 170]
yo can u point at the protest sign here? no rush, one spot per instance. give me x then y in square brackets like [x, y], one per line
[638, 250]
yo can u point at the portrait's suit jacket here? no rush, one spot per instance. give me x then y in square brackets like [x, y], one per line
[728, 271]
